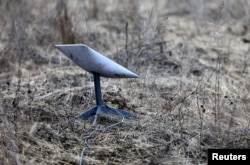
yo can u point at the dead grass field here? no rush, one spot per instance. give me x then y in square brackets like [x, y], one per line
[193, 58]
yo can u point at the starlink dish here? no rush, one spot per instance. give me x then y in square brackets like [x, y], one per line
[94, 62]
[99, 65]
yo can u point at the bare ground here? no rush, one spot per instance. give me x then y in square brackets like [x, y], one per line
[193, 92]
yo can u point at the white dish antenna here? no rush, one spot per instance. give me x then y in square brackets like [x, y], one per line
[94, 62]
[99, 65]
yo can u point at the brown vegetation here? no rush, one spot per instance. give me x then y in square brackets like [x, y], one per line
[193, 92]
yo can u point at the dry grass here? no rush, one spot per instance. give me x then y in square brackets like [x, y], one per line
[193, 91]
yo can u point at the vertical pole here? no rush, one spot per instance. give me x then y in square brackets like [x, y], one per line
[98, 93]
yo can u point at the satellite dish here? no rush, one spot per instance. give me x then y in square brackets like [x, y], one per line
[98, 65]
[94, 62]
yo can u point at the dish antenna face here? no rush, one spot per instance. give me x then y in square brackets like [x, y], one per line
[98, 65]
[94, 62]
